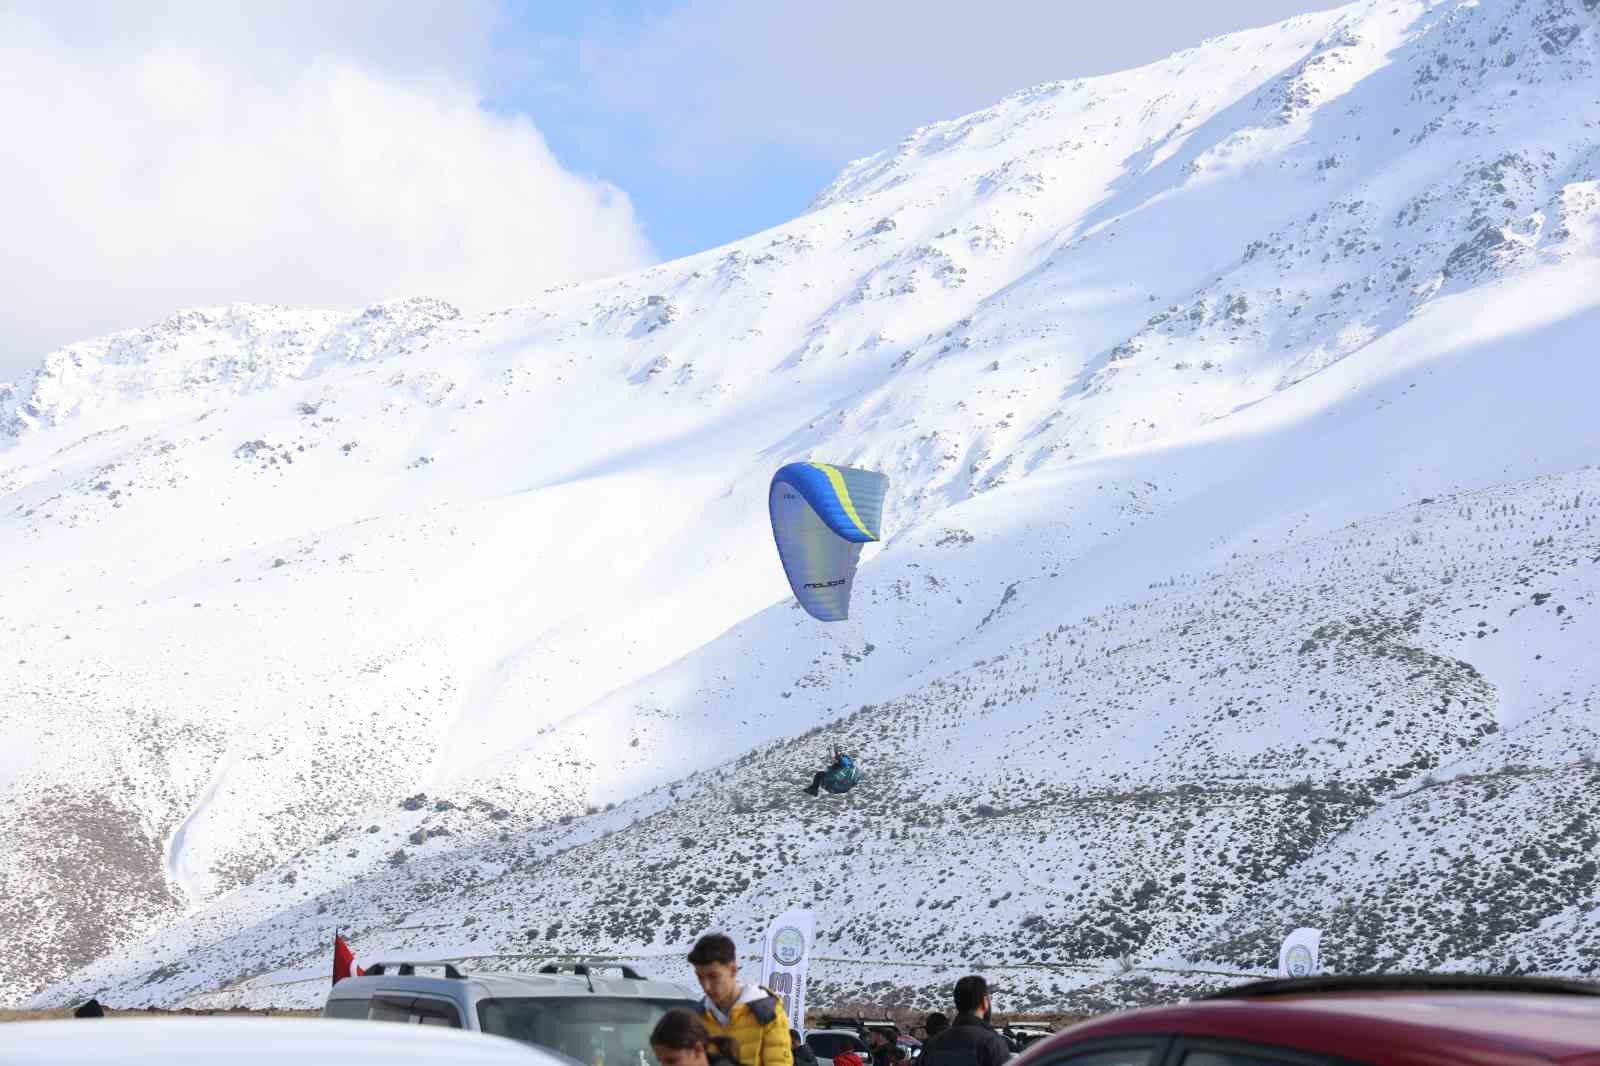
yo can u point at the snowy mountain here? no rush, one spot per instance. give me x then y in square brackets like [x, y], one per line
[1239, 413]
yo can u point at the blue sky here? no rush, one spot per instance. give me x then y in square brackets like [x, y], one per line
[538, 69]
[709, 113]
[159, 155]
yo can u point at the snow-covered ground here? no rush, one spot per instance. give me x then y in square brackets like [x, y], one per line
[1239, 413]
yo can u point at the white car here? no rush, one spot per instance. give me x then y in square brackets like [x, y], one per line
[213, 1041]
[828, 1044]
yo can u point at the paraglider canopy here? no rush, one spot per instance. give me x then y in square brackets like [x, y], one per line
[821, 515]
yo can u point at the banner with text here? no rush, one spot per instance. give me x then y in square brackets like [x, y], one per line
[783, 965]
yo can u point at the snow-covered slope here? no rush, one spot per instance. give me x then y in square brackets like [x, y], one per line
[1238, 411]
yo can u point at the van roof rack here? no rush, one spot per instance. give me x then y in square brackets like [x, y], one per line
[585, 968]
[1405, 982]
[582, 968]
[407, 969]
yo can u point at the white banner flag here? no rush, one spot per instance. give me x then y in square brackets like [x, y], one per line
[1299, 956]
[783, 964]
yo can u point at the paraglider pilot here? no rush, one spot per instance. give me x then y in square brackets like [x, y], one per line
[839, 778]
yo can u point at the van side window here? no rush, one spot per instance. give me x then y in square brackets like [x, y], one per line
[391, 1009]
[345, 1008]
[436, 1012]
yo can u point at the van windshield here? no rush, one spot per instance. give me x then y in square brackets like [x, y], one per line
[594, 1031]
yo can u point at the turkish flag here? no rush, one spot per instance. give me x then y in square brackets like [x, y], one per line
[344, 960]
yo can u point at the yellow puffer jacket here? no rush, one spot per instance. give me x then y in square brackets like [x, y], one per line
[758, 1025]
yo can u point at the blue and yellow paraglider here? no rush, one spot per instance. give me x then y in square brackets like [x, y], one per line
[821, 515]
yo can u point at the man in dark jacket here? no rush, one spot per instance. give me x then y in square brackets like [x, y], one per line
[969, 1041]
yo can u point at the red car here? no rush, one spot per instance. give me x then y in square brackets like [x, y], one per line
[1385, 1021]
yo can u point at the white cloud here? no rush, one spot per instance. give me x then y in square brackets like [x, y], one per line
[327, 156]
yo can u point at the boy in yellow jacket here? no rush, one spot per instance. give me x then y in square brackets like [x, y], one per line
[750, 1014]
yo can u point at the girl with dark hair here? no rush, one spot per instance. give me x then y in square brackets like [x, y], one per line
[680, 1038]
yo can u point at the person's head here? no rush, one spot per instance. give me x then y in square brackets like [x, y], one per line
[794, 1038]
[972, 996]
[680, 1039]
[935, 1023]
[716, 967]
[875, 1038]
